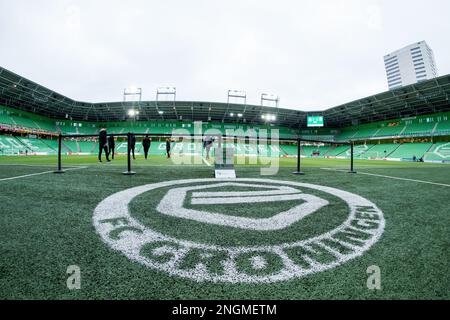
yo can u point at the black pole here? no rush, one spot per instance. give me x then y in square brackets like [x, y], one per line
[59, 155]
[129, 172]
[351, 158]
[298, 159]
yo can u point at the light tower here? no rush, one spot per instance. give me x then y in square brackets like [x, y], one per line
[134, 95]
[168, 92]
[237, 97]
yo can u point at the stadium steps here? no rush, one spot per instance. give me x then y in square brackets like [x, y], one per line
[329, 151]
[69, 146]
[9, 145]
[78, 146]
[403, 130]
[37, 145]
[37, 125]
[434, 128]
[388, 155]
[23, 144]
[431, 147]
[51, 144]
[362, 155]
[336, 151]
[94, 146]
[409, 150]
[376, 132]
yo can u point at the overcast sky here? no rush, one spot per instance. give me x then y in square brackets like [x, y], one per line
[313, 54]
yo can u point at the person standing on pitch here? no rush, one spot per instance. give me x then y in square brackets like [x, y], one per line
[207, 144]
[132, 144]
[102, 140]
[146, 144]
[168, 146]
[111, 146]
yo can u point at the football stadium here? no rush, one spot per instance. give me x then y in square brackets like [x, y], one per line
[321, 201]
[224, 158]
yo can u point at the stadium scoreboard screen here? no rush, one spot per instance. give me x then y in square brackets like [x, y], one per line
[315, 121]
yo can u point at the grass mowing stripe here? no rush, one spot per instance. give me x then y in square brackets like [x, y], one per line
[391, 177]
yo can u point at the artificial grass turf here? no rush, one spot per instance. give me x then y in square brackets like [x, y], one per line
[46, 225]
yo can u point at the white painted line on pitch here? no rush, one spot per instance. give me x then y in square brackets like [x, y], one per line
[34, 165]
[37, 174]
[206, 161]
[391, 177]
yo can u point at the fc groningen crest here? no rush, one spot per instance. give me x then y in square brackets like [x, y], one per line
[244, 230]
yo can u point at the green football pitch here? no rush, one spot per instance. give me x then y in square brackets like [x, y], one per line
[222, 248]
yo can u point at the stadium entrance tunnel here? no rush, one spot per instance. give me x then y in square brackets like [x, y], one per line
[247, 230]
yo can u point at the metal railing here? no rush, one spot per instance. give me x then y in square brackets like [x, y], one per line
[221, 138]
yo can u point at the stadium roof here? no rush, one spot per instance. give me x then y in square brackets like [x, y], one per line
[426, 97]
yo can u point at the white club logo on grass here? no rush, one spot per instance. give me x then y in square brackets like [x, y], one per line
[247, 264]
[172, 205]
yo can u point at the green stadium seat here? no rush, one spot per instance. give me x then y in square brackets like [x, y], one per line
[439, 152]
[37, 146]
[409, 150]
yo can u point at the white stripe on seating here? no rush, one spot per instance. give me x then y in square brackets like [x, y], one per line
[36, 174]
[391, 177]
[206, 161]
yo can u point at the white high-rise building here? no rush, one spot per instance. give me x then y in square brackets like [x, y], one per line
[410, 65]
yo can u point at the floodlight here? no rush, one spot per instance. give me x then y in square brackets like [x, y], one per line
[237, 94]
[161, 112]
[272, 99]
[231, 114]
[132, 90]
[166, 90]
[133, 93]
[269, 117]
[239, 115]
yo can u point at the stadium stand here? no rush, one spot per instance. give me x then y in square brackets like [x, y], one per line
[427, 125]
[407, 151]
[72, 146]
[379, 151]
[37, 146]
[10, 146]
[379, 132]
[442, 128]
[87, 146]
[416, 129]
[314, 151]
[339, 151]
[439, 152]
[289, 150]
